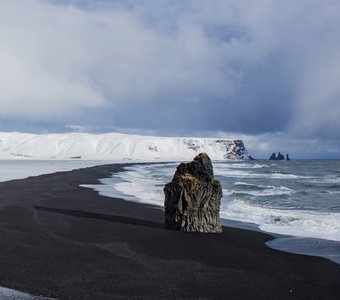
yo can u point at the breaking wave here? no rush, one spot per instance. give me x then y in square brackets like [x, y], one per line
[279, 198]
[324, 225]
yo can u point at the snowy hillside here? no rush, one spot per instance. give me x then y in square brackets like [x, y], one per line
[115, 146]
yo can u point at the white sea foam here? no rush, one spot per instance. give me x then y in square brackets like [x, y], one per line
[259, 166]
[239, 165]
[332, 179]
[240, 183]
[138, 183]
[287, 176]
[264, 191]
[323, 225]
[260, 190]
[237, 173]
[147, 192]
[145, 184]
[241, 200]
[292, 209]
[292, 222]
[227, 192]
[333, 192]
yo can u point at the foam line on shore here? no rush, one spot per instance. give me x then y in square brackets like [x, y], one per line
[130, 185]
[70, 250]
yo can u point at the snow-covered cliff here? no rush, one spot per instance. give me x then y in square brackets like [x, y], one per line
[115, 146]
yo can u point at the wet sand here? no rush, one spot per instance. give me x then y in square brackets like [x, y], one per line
[64, 241]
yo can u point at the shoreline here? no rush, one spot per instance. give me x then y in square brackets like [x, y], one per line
[305, 245]
[64, 241]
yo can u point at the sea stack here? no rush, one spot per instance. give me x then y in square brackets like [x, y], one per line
[278, 157]
[193, 198]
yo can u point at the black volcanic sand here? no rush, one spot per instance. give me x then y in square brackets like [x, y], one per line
[63, 241]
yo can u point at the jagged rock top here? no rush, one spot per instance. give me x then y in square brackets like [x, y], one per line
[200, 168]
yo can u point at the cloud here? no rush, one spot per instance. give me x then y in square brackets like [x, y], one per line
[255, 67]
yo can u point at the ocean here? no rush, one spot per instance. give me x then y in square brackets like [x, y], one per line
[296, 201]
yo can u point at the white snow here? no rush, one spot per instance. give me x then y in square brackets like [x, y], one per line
[115, 146]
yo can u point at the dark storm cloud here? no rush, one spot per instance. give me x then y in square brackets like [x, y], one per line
[253, 67]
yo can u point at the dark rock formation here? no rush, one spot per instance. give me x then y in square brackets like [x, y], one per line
[287, 158]
[278, 157]
[193, 197]
[273, 157]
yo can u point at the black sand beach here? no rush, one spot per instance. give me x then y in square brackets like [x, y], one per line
[60, 240]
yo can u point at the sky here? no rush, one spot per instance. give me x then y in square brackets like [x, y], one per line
[265, 71]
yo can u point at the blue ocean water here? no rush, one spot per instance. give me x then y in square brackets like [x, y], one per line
[297, 201]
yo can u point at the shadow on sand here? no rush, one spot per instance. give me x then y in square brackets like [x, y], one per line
[105, 217]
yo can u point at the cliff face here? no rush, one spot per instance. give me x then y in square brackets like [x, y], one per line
[115, 146]
[235, 149]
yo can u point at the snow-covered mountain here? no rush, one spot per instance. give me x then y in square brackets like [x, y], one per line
[115, 146]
